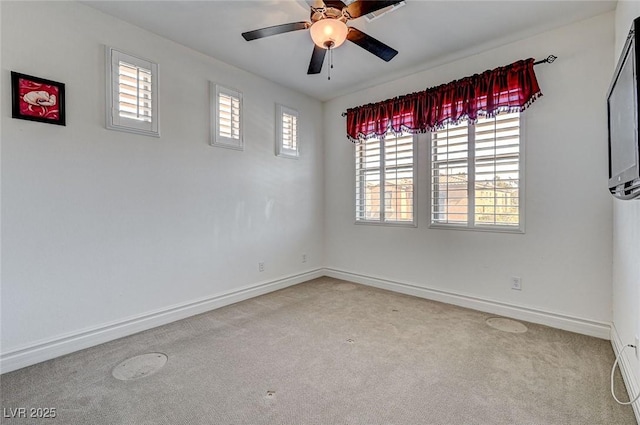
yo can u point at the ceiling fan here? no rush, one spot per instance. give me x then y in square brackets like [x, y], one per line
[329, 30]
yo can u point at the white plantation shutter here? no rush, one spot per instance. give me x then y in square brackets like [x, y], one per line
[476, 174]
[229, 116]
[497, 171]
[286, 132]
[289, 131]
[227, 119]
[132, 94]
[368, 178]
[385, 180]
[449, 175]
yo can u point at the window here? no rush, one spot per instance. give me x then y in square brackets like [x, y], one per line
[385, 180]
[226, 123]
[476, 175]
[132, 94]
[287, 144]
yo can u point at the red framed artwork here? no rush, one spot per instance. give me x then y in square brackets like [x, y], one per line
[37, 99]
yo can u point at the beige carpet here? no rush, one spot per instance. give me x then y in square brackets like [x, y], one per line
[331, 352]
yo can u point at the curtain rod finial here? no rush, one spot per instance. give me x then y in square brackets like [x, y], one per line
[548, 59]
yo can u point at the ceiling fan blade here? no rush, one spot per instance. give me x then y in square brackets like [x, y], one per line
[370, 44]
[316, 4]
[276, 29]
[364, 7]
[336, 4]
[317, 59]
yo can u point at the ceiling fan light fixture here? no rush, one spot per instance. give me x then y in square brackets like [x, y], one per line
[329, 33]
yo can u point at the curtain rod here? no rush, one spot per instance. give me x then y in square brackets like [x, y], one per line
[548, 59]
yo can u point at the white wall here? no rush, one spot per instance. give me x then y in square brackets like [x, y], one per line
[100, 226]
[626, 240]
[565, 256]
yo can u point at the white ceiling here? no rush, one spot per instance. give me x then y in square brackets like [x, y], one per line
[426, 33]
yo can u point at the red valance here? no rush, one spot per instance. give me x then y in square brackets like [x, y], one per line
[508, 88]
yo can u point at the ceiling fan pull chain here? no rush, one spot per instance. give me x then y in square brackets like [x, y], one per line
[330, 62]
[332, 59]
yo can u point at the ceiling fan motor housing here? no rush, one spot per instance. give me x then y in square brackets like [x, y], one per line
[328, 12]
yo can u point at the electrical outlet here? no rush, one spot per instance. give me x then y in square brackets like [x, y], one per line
[516, 283]
[260, 267]
[637, 344]
[304, 258]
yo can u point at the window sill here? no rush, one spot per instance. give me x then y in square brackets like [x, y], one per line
[127, 129]
[386, 223]
[288, 154]
[235, 146]
[490, 229]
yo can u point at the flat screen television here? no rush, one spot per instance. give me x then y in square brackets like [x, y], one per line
[624, 121]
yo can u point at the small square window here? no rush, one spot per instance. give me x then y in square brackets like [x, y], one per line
[287, 142]
[226, 120]
[132, 94]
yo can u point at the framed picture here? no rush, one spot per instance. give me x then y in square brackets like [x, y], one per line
[37, 99]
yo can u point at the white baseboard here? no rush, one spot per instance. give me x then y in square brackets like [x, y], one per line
[630, 380]
[555, 320]
[65, 344]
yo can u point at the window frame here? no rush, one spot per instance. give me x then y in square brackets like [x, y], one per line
[281, 150]
[471, 226]
[113, 119]
[216, 139]
[381, 222]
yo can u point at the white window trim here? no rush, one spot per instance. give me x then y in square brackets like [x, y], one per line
[113, 119]
[220, 141]
[381, 222]
[281, 150]
[470, 226]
